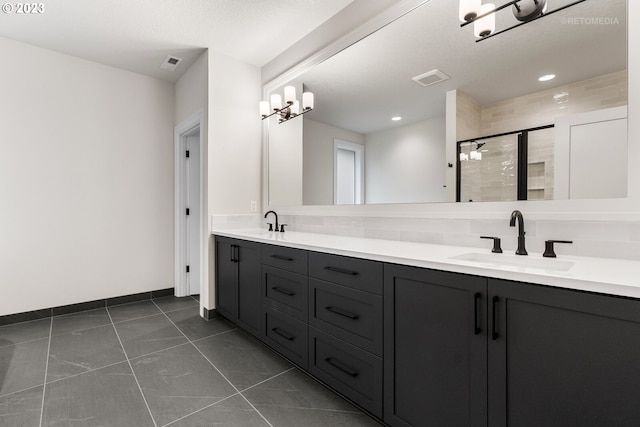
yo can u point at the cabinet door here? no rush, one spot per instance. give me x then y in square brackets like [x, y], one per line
[562, 358]
[249, 284]
[226, 278]
[435, 348]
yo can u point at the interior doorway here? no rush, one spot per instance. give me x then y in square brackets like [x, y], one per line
[189, 213]
[348, 167]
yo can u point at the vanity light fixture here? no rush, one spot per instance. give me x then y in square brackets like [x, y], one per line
[547, 77]
[291, 107]
[483, 16]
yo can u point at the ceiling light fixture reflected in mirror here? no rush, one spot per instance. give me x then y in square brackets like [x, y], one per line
[484, 20]
[396, 118]
[546, 77]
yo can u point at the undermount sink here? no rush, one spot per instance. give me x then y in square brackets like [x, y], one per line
[524, 262]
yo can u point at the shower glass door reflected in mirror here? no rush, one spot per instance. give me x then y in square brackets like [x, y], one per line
[513, 166]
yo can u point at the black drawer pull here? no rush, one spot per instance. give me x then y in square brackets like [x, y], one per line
[341, 366]
[341, 312]
[341, 270]
[283, 334]
[476, 311]
[287, 292]
[282, 257]
[494, 328]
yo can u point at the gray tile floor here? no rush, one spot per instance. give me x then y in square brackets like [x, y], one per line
[155, 363]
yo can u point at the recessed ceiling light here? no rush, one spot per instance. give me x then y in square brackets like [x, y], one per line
[547, 77]
[396, 118]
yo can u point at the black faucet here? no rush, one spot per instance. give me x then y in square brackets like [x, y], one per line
[517, 215]
[270, 225]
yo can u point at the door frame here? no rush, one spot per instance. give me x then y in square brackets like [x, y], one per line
[181, 133]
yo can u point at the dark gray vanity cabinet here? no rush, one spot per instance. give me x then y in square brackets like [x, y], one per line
[345, 326]
[559, 357]
[420, 347]
[285, 305]
[238, 282]
[435, 348]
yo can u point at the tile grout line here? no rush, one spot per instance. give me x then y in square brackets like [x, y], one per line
[239, 393]
[220, 372]
[46, 369]
[132, 371]
[200, 410]
[115, 363]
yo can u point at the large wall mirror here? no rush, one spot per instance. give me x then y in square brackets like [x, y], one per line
[419, 112]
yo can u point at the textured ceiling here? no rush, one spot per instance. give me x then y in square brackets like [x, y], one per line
[137, 35]
[362, 87]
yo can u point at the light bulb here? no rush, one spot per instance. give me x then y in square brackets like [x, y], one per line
[264, 108]
[484, 27]
[289, 94]
[307, 101]
[469, 9]
[295, 108]
[276, 102]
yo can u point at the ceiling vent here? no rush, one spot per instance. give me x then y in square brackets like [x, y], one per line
[430, 78]
[171, 63]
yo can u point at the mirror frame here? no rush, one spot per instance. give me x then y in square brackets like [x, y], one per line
[626, 209]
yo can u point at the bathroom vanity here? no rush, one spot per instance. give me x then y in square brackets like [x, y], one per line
[420, 334]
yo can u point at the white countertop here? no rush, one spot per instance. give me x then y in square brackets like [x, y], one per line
[603, 275]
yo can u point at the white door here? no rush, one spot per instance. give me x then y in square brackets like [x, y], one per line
[348, 178]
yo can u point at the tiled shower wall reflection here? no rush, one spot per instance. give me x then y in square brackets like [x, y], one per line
[492, 180]
[590, 238]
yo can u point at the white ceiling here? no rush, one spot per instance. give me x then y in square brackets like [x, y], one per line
[362, 87]
[137, 35]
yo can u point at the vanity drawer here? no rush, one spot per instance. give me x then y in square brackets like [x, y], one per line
[287, 336]
[347, 313]
[285, 291]
[353, 372]
[353, 272]
[289, 259]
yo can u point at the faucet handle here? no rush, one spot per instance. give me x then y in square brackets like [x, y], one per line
[270, 226]
[548, 247]
[496, 244]
[282, 227]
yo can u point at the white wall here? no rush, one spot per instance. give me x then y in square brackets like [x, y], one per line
[234, 144]
[191, 90]
[318, 160]
[86, 180]
[405, 164]
[285, 158]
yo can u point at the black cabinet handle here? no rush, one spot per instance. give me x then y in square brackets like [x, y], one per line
[287, 292]
[476, 312]
[494, 328]
[341, 312]
[236, 253]
[342, 367]
[341, 270]
[232, 259]
[283, 334]
[282, 257]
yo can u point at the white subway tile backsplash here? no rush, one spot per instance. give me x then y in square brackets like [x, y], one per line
[591, 238]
